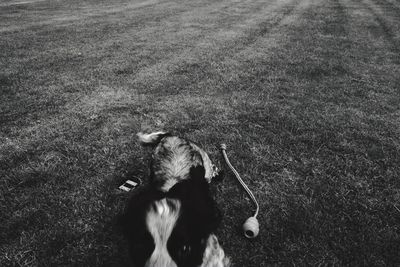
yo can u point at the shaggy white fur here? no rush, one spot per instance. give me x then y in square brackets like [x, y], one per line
[214, 255]
[161, 220]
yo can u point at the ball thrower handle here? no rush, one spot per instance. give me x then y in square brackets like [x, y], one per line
[251, 227]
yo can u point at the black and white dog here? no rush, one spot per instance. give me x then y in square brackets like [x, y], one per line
[171, 222]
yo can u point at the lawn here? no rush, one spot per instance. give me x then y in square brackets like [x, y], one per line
[305, 93]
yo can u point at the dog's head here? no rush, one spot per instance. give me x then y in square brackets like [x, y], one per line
[173, 228]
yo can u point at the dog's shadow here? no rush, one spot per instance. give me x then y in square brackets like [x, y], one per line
[111, 237]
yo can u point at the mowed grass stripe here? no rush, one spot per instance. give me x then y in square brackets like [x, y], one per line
[220, 43]
[51, 13]
[127, 70]
[381, 34]
[68, 108]
[138, 52]
[388, 20]
[375, 69]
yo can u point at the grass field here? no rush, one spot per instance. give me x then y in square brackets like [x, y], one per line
[305, 93]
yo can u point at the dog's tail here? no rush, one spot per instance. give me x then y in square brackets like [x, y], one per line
[151, 138]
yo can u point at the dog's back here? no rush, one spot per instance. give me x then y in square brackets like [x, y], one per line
[175, 228]
[172, 221]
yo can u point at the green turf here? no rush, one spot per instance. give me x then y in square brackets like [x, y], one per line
[304, 92]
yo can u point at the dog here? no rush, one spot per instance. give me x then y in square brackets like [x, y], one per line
[171, 222]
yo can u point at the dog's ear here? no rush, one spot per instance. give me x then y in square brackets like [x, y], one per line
[151, 139]
[197, 173]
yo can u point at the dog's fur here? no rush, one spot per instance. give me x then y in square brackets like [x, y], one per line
[171, 222]
[173, 157]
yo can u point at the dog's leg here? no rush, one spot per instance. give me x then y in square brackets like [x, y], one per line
[214, 255]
